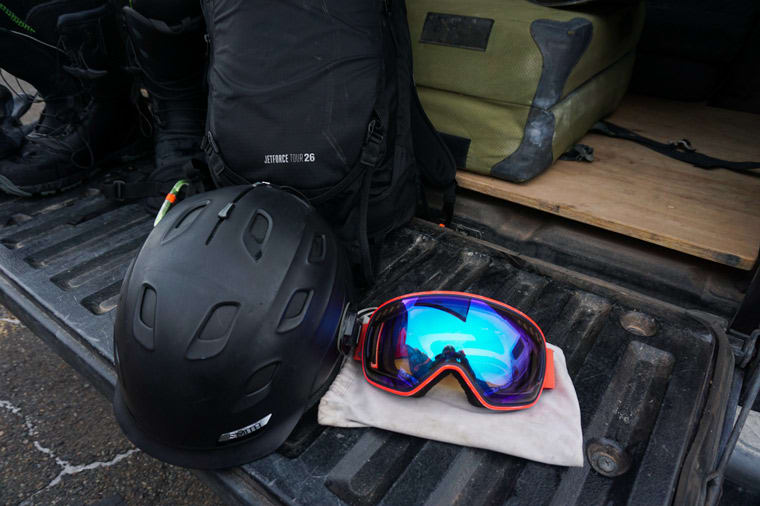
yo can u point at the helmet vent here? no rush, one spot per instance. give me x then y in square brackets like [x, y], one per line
[318, 247]
[184, 222]
[260, 378]
[259, 228]
[148, 307]
[145, 319]
[295, 311]
[258, 234]
[212, 336]
[257, 387]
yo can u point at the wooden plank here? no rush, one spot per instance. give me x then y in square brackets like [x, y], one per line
[637, 192]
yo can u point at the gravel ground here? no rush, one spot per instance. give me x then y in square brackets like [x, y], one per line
[59, 442]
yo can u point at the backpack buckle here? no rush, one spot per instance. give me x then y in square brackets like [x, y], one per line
[373, 144]
[208, 143]
[374, 132]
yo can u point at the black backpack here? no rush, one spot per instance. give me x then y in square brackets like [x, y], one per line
[318, 95]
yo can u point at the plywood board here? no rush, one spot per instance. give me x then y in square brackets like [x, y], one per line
[640, 193]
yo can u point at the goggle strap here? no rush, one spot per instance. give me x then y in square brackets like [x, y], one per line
[549, 374]
[352, 327]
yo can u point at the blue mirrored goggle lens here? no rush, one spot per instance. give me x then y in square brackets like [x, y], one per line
[500, 351]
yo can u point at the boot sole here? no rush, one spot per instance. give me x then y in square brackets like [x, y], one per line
[44, 189]
[127, 154]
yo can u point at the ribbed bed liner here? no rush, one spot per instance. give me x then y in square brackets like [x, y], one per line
[62, 260]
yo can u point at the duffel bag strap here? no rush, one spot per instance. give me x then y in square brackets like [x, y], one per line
[680, 150]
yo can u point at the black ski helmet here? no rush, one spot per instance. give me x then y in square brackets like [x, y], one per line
[227, 324]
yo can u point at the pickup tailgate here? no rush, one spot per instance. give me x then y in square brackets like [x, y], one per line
[652, 379]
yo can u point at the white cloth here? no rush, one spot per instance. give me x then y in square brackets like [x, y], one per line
[548, 432]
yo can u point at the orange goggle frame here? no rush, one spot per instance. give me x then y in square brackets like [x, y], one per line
[372, 336]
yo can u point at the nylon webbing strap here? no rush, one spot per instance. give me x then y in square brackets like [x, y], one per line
[371, 155]
[122, 191]
[215, 162]
[449, 199]
[680, 150]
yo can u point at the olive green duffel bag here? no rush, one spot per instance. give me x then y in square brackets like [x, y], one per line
[512, 85]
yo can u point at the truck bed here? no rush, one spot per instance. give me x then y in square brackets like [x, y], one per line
[653, 379]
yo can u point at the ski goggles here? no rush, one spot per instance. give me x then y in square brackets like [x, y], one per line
[498, 354]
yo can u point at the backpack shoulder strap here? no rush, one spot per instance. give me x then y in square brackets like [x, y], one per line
[435, 162]
[434, 159]
[218, 168]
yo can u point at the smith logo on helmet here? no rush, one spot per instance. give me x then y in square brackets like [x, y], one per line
[235, 434]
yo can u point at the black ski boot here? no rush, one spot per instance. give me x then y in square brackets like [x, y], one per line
[170, 61]
[12, 132]
[88, 117]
